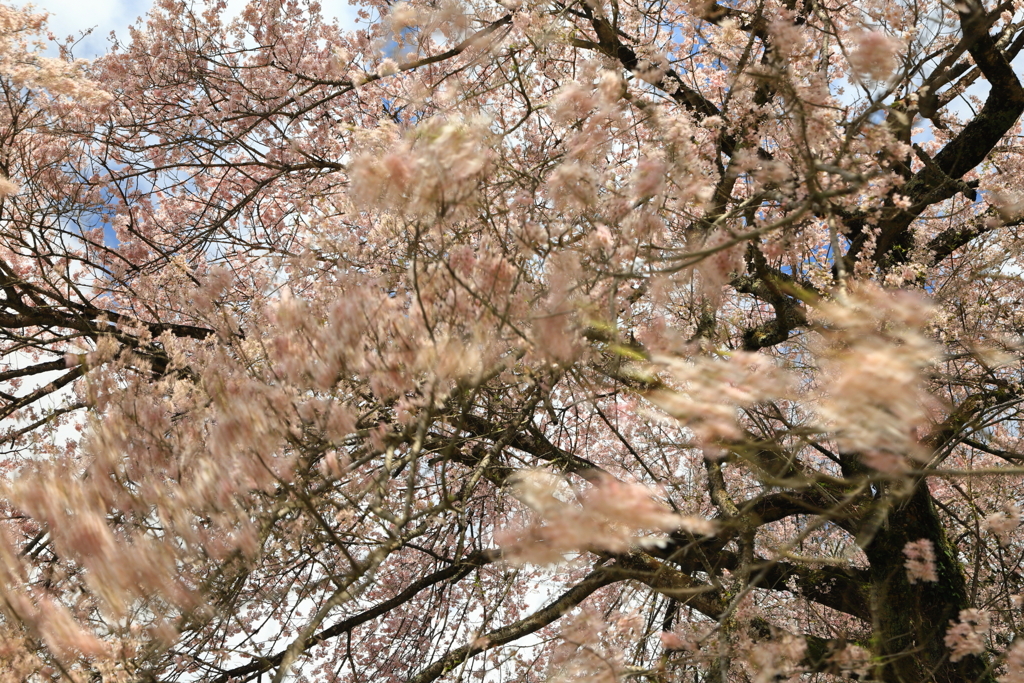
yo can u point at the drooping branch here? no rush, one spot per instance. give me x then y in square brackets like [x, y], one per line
[452, 574]
[597, 579]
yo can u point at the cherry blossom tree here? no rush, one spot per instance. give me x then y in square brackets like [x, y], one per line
[516, 341]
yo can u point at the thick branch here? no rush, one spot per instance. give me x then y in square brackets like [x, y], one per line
[940, 178]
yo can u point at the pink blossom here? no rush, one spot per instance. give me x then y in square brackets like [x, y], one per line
[387, 67]
[1014, 663]
[709, 391]
[853, 659]
[1004, 523]
[7, 188]
[873, 356]
[874, 55]
[920, 561]
[776, 657]
[968, 636]
[611, 515]
[673, 641]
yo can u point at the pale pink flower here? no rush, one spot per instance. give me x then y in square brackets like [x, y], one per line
[853, 659]
[873, 356]
[572, 102]
[610, 85]
[7, 187]
[673, 641]
[776, 657]
[339, 61]
[874, 55]
[331, 465]
[602, 238]
[787, 33]
[653, 69]
[556, 339]
[62, 633]
[388, 67]
[698, 526]
[611, 515]
[885, 461]
[649, 178]
[968, 636]
[709, 391]
[920, 561]
[537, 489]
[631, 506]
[573, 184]
[1014, 663]
[1002, 524]
[718, 267]
[400, 166]
[403, 16]
[522, 20]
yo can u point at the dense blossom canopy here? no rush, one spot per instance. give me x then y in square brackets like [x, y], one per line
[516, 340]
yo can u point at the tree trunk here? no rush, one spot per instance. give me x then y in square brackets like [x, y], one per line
[911, 619]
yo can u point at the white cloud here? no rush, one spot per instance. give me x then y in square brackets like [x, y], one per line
[71, 17]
